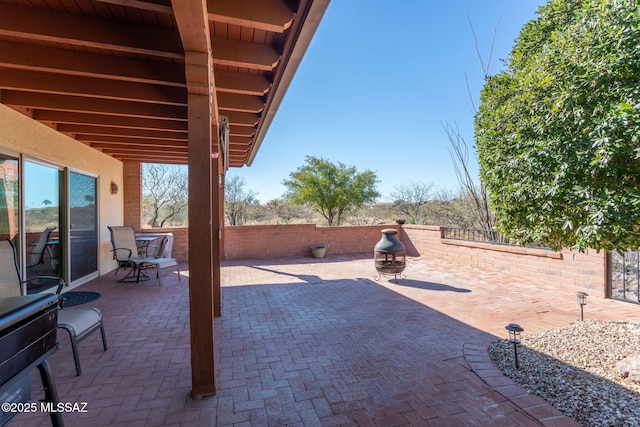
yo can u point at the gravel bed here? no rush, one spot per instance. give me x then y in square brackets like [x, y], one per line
[573, 369]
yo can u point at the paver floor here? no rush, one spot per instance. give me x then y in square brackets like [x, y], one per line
[305, 342]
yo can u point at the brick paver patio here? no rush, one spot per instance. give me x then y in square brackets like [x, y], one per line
[305, 342]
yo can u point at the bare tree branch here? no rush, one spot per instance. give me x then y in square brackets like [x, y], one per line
[165, 194]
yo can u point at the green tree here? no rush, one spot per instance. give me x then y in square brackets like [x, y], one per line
[558, 131]
[333, 190]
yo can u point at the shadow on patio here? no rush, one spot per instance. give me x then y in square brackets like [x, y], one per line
[308, 342]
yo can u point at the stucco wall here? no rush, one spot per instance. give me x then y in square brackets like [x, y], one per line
[34, 140]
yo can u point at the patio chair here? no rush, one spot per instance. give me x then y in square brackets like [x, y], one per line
[79, 322]
[126, 253]
[161, 263]
[35, 251]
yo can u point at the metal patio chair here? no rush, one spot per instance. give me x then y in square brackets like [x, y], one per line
[126, 253]
[79, 322]
[160, 263]
[35, 251]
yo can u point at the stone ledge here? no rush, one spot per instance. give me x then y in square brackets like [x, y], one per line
[519, 250]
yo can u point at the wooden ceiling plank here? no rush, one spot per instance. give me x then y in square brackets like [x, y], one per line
[36, 81]
[103, 106]
[243, 103]
[236, 53]
[268, 15]
[65, 28]
[65, 61]
[124, 122]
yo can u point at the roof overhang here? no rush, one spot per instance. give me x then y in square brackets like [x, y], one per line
[111, 73]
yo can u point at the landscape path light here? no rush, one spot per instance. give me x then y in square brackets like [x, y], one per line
[514, 337]
[582, 300]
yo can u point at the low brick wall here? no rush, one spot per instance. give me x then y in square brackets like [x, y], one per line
[291, 240]
[567, 269]
[282, 241]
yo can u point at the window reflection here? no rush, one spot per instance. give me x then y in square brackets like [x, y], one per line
[9, 207]
[83, 225]
[42, 222]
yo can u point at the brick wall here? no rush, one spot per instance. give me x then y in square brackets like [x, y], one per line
[277, 241]
[132, 184]
[567, 269]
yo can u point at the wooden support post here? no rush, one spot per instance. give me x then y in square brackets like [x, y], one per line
[201, 294]
[215, 242]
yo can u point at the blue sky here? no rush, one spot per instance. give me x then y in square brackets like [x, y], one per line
[377, 83]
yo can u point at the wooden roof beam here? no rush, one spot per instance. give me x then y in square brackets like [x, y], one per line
[114, 131]
[75, 63]
[237, 53]
[241, 131]
[110, 121]
[82, 104]
[169, 159]
[142, 5]
[238, 152]
[194, 33]
[143, 152]
[244, 103]
[240, 119]
[59, 27]
[126, 140]
[240, 140]
[241, 83]
[150, 147]
[268, 15]
[35, 81]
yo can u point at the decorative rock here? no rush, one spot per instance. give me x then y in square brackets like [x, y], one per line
[629, 368]
[574, 369]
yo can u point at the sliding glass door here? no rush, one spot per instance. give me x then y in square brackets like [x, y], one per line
[42, 222]
[83, 226]
[60, 221]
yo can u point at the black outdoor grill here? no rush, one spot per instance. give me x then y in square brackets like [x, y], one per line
[27, 338]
